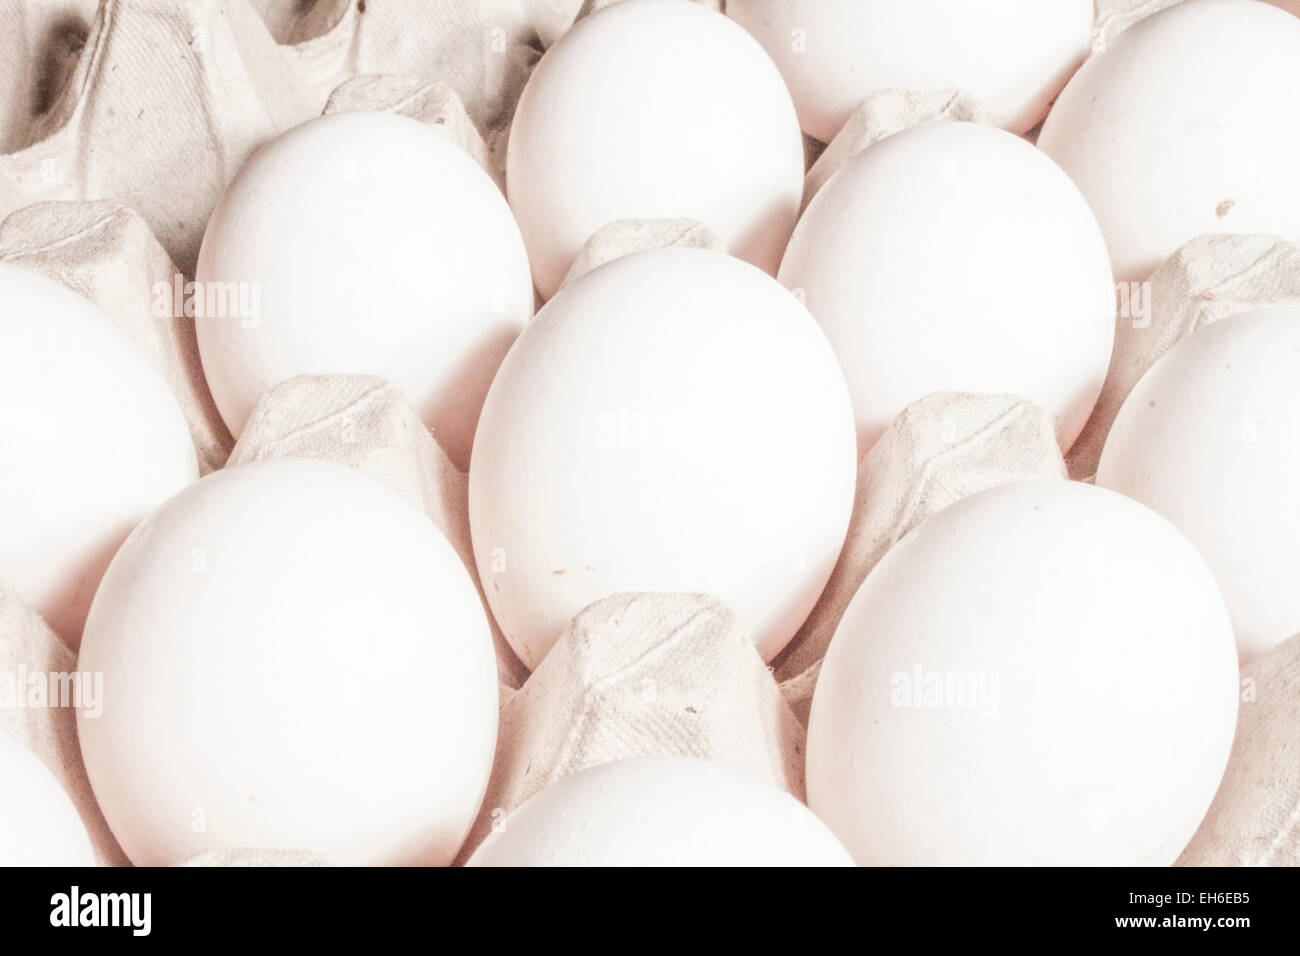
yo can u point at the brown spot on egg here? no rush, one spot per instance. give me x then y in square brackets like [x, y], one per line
[1225, 207]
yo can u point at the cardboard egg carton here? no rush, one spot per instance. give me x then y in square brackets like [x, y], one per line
[119, 137]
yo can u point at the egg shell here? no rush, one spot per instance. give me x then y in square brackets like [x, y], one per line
[294, 658]
[363, 243]
[1187, 124]
[1013, 56]
[91, 438]
[1040, 674]
[956, 257]
[39, 826]
[661, 811]
[654, 109]
[673, 421]
[1210, 438]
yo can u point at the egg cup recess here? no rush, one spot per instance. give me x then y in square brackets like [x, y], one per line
[377, 245]
[93, 439]
[742, 488]
[653, 110]
[1185, 125]
[322, 632]
[1012, 56]
[1023, 738]
[956, 257]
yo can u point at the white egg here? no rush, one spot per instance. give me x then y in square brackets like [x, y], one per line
[294, 658]
[91, 438]
[661, 811]
[654, 109]
[1041, 674]
[39, 826]
[673, 421]
[362, 243]
[956, 257]
[1012, 55]
[1210, 438]
[1186, 125]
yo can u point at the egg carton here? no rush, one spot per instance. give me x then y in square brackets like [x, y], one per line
[148, 112]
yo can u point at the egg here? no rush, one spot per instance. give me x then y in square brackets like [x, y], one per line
[955, 257]
[1040, 674]
[39, 826]
[672, 421]
[363, 243]
[91, 438]
[1013, 56]
[1186, 125]
[1210, 438]
[654, 109]
[661, 811]
[294, 658]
